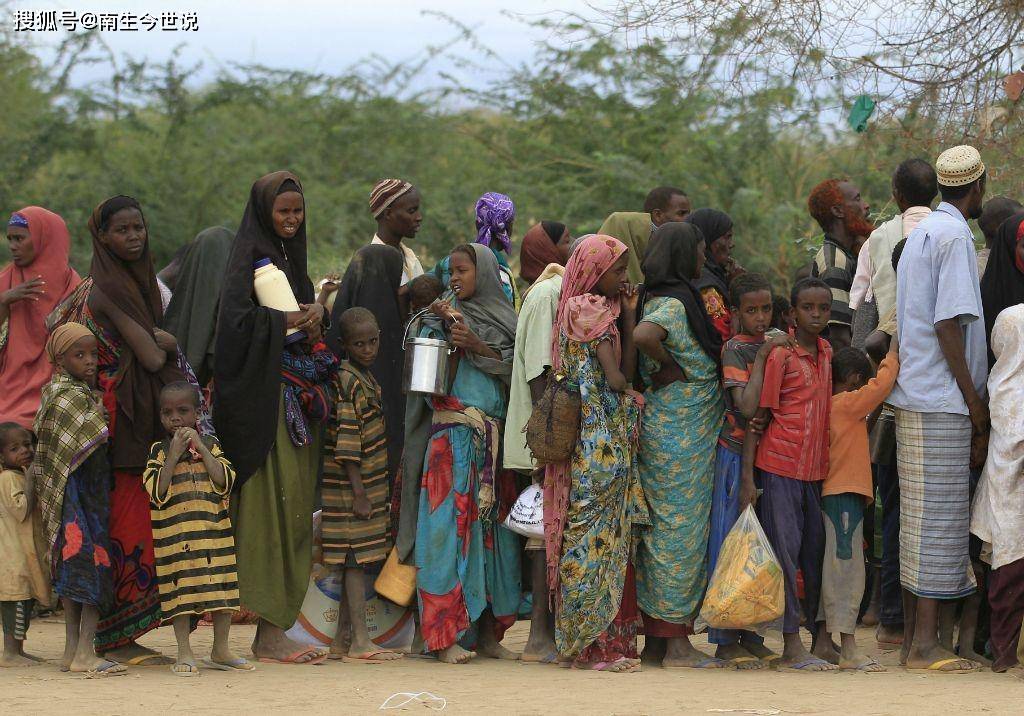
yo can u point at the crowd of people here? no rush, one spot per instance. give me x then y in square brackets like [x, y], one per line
[166, 439]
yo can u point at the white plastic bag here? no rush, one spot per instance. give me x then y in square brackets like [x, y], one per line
[526, 517]
[747, 590]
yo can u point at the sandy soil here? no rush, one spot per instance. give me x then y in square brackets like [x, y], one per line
[487, 686]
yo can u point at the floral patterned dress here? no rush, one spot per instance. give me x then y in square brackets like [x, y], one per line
[677, 464]
[467, 560]
[598, 620]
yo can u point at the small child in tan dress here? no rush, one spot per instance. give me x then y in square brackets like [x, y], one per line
[24, 575]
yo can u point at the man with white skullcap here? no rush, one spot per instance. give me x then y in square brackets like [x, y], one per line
[941, 409]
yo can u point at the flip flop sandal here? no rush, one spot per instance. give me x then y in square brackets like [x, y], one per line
[737, 660]
[111, 668]
[863, 668]
[238, 664]
[367, 657]
[294, 657]
[710, 662]
[607, 666]
[185, 670]
[936, 667]
[803, 665]
[145, 659]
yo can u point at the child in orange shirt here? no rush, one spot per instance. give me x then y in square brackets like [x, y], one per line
[845, 492]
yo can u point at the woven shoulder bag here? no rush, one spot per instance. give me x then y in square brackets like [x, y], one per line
[554, 425]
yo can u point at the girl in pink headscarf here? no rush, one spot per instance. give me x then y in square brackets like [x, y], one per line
[594, 502]
[38, 278]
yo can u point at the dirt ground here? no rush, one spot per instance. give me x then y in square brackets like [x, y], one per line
[487, 686]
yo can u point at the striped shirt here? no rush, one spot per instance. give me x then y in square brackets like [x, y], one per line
[356, 434]
[836, 267]
[192, 536]
[738, 358]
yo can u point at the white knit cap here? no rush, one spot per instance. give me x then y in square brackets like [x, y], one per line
[959, 165]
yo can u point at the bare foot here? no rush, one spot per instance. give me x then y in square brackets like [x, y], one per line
[889, 637]
[681, 654]
[8, 661]
[756, 648]
[540, 647]
[735, 655]
[654, 650]
[494, 650]
[271, 643]
[137, 655]
[826, 650]
[974, 656]
[802, 660]
[455, 654]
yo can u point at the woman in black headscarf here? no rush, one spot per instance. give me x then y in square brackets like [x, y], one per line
[276, 464]
[680, 354]
[372, 281]
[1002, 285]
[713, 284]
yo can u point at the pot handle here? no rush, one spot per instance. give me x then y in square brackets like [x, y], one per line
[405, 335]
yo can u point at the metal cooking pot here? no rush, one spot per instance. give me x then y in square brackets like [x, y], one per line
[426, 363]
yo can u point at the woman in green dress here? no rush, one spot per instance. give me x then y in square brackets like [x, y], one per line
[680, 353]
[267, 399]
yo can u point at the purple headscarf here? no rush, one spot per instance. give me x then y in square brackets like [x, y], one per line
[494, 215]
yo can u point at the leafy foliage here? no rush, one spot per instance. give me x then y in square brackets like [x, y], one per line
[581, 131]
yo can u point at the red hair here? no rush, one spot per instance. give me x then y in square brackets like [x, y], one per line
[823, 197]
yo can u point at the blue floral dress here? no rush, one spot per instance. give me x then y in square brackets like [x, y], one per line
[677, 464]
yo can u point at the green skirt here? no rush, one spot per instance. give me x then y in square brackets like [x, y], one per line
[272, 517]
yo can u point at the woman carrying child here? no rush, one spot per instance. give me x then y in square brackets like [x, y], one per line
[72, 475]
[268, 399]
[468, 563]
[120, 303]
[680, 351]
[597, 496]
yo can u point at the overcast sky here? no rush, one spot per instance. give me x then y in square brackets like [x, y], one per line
[313, 35]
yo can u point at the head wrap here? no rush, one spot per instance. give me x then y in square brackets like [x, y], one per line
[371, 281]
[714, 224]
[490, 315]
[385, 193]
[24, 369]
[250, 338]
[958, 166]
[191, 316]
[132, 287]
[584, 316]
[669, 266]
[1002, 285]
[18, 219]
[63, 337]
[632, 228]
[539, 248]
[494, 215]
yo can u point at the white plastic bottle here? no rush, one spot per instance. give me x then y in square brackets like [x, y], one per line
[273, 291]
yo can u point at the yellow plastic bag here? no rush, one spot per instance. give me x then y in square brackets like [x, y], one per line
[747, 590]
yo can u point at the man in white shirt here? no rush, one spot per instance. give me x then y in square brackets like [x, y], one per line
[395, 204]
